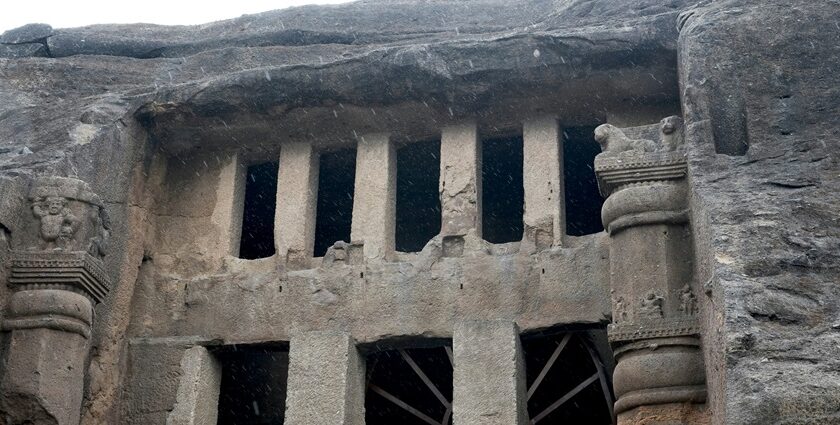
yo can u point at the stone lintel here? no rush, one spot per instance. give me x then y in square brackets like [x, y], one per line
[75, 271]
[374, 200]
[489, 376]
[326, 380]
[543, 181]
[198, 391]
[297, 194]
[460, 179]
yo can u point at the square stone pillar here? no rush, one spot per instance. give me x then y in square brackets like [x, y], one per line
[489, 376]
[297, 195]
[545, 217]
[326, 380]
[197, 400]
[374, 200]
[460, 179]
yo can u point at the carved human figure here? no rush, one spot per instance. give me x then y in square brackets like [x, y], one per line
[672, 133]
[651, 306]
[99, 243]
[58, 224]
[688, 302]
[620, 311]
[614, 141]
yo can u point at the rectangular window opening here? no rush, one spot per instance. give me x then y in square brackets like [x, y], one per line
[253, 388]
[583, 200]
[336, 183]
[257, 240]
[418, 201]
[502, 190]
[396, 393]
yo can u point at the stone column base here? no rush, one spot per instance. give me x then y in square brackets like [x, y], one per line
[666, 414]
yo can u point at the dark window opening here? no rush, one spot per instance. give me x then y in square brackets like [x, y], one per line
[257, 239]
[336, 182]
[418, 201]
[583, 201]
[396, 392]
[253, 390]
[566, 380]
[502, 191]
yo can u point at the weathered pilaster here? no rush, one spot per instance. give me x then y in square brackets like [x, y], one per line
[374, 200]
[57, 276]
[297, 195]
[543, 180]
[197, 401]
[489, 374]
[460, 182]
[659, 376]
[326, 380]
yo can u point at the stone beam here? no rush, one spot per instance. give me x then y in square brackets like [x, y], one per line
[197, 400]
[374, 200]
[460, 179]
[326, 380]
[543, 180]
[489, 376]
[297, 194]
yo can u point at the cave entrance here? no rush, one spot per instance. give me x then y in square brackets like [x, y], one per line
[583, 200]
[566, 379]
[502, 189]
[410, 386]
[418, 200]
[253, 387]
[257, 240]
[336, 183]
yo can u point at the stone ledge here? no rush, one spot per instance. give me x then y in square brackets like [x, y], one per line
[653, 329]
[615, 171]
[50, 269]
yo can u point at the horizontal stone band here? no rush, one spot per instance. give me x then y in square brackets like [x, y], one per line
[652, 329]
[690, 394]
[57, 323]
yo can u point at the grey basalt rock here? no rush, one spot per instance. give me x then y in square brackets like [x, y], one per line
[30, 33]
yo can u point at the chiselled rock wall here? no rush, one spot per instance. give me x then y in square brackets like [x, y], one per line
[761, 102]
[122, 107]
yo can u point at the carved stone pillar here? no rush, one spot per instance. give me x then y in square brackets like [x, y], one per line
[659, 376]
[57, 276]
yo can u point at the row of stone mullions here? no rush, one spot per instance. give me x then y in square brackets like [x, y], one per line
[374, 209]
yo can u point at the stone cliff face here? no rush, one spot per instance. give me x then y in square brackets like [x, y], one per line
[757, 85]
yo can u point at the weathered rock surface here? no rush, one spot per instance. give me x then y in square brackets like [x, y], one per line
[758, 86]
[761, 101]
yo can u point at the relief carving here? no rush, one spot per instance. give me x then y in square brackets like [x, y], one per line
[651, 306]
[57, 222]
[66, 217]
[613, 141]
[688, 302]
[671, 133]
[620, 311]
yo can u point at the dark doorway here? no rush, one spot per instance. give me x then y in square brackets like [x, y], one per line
[253, 390]
[583, 201]
[409, 387]
[566, 380]
[418, 201]
[257, 239]
[336, 182]
[502, 190]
